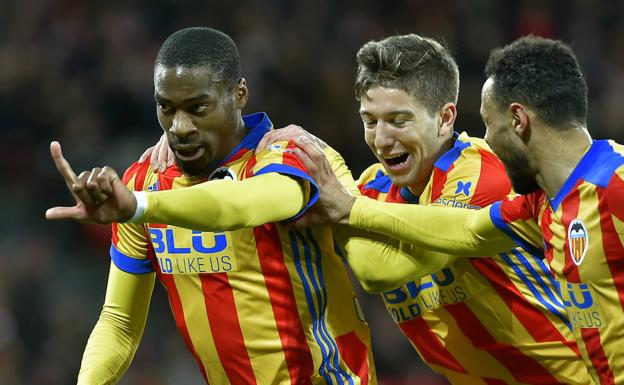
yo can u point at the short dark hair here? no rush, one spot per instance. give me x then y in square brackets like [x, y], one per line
[543, 74]
[420, 66]
[202, 47]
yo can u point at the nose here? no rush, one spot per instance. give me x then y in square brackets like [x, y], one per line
[383, 136]
[182, 125]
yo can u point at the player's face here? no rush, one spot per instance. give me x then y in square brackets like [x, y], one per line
[401, 133]
[505, 143]
[201, 117]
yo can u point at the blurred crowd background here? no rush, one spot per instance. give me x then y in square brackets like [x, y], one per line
[81, 72]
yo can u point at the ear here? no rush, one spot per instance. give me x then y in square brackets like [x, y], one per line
[241, 93]
[448, 114]
[521, 121]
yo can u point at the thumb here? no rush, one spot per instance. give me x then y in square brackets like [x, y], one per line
[58, 213]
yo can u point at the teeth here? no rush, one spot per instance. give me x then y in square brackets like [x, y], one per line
[392, 156]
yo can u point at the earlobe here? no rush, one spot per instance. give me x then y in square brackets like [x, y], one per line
[520, 120]
[447, 119]
[242, 93]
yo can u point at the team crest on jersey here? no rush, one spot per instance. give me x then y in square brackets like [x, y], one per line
[222, 173]
[578, 240]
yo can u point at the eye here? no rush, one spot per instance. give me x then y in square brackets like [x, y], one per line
[165, 109]
[199, 108]
[399, 123]
[369, 123]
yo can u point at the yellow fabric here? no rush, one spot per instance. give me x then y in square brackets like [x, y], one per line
[450, 230]
[116, 335]
[223, 205]
[381, 263]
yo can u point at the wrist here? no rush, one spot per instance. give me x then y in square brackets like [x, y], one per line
[347, 207]
[140, 200]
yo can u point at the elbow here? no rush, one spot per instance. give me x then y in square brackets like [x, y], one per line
[375, 283]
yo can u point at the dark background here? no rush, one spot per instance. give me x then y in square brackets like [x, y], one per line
[81, 72]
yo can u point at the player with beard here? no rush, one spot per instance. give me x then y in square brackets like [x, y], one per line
[534, 105]
[254, 302]
[474, 320]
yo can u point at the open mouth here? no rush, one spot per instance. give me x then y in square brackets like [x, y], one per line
[396, 161]
[189, 154]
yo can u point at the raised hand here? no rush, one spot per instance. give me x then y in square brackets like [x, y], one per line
[289, 132]
[160, 155]
[100, 195]
[335, 202]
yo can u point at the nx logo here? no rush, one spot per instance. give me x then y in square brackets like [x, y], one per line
[463, 188]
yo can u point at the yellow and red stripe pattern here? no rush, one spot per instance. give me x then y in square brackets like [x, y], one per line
[583, 239]
[495, 320]
[258, 305]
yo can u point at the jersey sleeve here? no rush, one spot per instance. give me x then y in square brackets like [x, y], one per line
[516, 216]
[116, 336]
[456, 231]
[129, 248]
[279, 158]
[381, 263]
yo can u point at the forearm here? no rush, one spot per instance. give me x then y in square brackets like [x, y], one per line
[460, 232]
[381, 263]
[227, 205]
[117, 334]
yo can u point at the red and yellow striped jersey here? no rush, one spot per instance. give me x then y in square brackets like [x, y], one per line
[257, 305]
[582, 233]
[496, 320]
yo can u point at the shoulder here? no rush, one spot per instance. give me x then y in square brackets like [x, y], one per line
[522, 207]
[615, 192]
[140, 176]
[374, 179]
[472, 170]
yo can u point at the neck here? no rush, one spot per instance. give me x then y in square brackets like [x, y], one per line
[419, 186]
[560, 153]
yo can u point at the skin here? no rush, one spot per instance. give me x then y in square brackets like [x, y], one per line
[201, 118]
[395, 123]
[535, 154]
[397, 127]
[203, 123]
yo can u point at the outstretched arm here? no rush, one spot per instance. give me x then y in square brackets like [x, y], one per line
[454, 231]
[117, 334]
[220, 205]
[444, 229]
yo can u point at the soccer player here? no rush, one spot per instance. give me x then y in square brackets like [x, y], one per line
[477, 321]
[534, 105]
[255, 303]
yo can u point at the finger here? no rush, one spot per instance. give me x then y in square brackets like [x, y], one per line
[106, 178]
[94, 188]
[79, 187]
[146, 154]
[309, 147]
[266, 140]
[57, 213]
[286, 133]
[307, 162]
[162, 155]
[154, 156]
[62, 165]
[170, 158]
